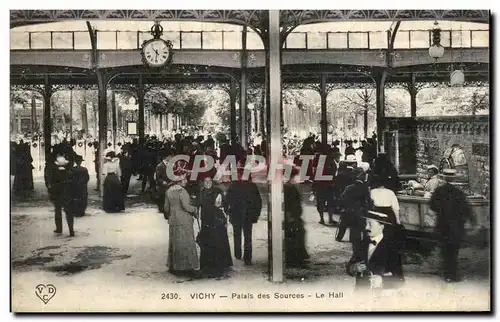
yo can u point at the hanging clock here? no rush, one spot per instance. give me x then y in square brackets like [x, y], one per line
[156, 52]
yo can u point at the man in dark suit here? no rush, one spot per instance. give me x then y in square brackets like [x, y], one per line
[355, 202]
[78, 188]
[243, 204]
[323, 188]
[452, 212]
[377, 263]
[60, 195]
[162, 181]
[126, 166]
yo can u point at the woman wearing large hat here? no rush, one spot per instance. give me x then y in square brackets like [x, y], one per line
[182, 254]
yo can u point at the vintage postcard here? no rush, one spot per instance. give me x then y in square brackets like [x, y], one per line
[250, 160]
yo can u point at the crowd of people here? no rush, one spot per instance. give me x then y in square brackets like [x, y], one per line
[357, 183]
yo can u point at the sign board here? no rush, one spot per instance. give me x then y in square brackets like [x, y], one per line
[131, 128]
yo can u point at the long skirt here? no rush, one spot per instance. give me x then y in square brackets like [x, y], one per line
[295, 244]
[215, 254]
[182, 255]
[113, 197]
[79, 201]
[23, 179]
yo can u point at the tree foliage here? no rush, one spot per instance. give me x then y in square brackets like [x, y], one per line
[296, 98]
[452, 101]
[354, 101]
[182, 103]
[24, 97]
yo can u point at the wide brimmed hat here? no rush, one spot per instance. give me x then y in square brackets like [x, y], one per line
[380, 215]
[350, 160]
[448, 173]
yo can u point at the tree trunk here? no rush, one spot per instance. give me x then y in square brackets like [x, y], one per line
[365, 119]
[262, 126]
[83, 111]
[96, 124]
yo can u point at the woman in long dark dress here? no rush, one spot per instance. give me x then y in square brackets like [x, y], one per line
[215, 255]
[295, 233]
[23, 180]
[113, 196]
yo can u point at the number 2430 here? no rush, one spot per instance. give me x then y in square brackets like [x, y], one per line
[170, 296]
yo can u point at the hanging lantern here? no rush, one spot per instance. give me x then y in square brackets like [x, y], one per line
[457, 78]
[436, 51]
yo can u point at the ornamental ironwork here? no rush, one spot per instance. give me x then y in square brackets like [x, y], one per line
[329, 86]
[67, 87]
[299, 17]
[253, 18]
[240, 17]
[187, 87]
[477, 83]
[39, 88]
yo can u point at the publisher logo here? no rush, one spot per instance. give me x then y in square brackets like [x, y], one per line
[45, 292]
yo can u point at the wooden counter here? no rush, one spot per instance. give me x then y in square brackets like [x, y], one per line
[415, 216]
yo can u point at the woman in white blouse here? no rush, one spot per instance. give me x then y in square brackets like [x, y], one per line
[113, 196]
[383, 197]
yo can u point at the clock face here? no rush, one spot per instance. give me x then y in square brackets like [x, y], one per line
[156, 53]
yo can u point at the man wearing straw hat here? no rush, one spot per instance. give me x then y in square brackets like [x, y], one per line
[377, 263]
[452, 211]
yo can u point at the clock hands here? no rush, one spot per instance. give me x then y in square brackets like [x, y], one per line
[159, 54]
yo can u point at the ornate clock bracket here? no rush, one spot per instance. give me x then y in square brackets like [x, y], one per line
[157, 30]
